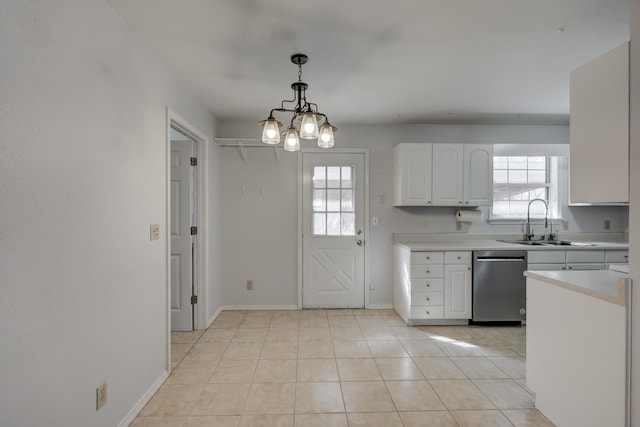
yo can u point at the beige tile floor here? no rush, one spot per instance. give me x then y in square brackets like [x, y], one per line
[324, 368]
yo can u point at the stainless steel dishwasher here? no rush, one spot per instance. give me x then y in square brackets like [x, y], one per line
[499, 286]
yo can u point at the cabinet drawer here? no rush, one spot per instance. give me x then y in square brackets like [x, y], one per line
[427, 298]
[617, 257]
[546, 267]
[463, 258]
[427, 312]
[427, 257]
[427, 285]
[585, 256]
[427, 271]
[546, 257]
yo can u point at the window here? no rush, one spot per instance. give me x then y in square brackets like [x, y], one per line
[517, 180]
[333, 201]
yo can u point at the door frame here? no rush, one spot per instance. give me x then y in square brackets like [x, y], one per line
[365, 152]
[201, 270]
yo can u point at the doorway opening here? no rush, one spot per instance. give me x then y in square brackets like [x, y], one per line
[186, 225]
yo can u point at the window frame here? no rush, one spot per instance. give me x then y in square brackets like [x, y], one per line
[555, 183]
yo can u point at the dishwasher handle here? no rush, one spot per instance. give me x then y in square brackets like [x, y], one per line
[501, 258]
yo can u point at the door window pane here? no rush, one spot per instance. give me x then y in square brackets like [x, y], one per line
[333, 224]
[333, 200]
[347, 182]
[319, 177]
[348, 224]
[319, 224]
[319, 200]
[347, 200]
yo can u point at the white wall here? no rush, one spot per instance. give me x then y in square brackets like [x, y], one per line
[82, 175]
[260, 216]
[278, 240]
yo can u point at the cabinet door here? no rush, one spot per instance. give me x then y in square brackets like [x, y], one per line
[457, 292]
[447, 174]
[478, 175]
[599, 129]
[617, 256]
[412, 174]
[591, 256]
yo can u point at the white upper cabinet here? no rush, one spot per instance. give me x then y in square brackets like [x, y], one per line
[478, 175]
[443, 175]
[412, 175]
[447, 174]
[599, 129]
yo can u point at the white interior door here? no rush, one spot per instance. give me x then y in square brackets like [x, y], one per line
[181, 238]
[333, 232]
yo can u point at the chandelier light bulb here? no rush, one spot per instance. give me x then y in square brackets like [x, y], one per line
[325, 140]
[291, 140]
[309, 126]
[271, 131]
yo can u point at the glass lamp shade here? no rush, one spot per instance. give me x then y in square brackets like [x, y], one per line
[271, 131]
[291, 140]
[325, 140]
[309, 126]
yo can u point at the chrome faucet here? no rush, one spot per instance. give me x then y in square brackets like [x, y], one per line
[527, 233]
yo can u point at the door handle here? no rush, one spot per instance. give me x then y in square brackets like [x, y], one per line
[359, 242]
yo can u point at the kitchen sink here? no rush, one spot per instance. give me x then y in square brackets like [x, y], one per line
[524, 242]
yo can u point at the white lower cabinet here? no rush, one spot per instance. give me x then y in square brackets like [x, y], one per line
[437, 288]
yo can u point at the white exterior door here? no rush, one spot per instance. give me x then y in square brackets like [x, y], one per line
[333, 230]
[181, 239]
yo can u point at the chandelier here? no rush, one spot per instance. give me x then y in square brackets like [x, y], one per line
[306, 112]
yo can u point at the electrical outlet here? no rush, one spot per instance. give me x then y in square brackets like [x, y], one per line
[101, 395]
[382, 199]
[249, 285]
[607, 224]
[154, 232]
[458, 225]
[565, 225]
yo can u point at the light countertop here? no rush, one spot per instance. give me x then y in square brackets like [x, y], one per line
[602, 284]
[478, 245]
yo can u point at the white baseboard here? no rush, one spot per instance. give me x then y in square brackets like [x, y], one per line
[215, 315]
[259, 307]
[380, 307]
[144, 400]
[285, 307]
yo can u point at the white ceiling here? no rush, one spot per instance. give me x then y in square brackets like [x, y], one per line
[385, 61]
